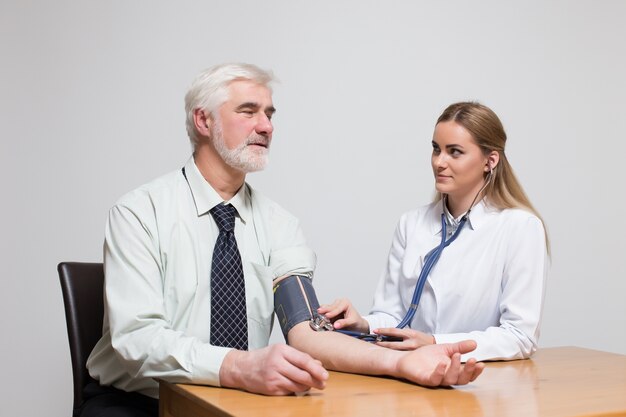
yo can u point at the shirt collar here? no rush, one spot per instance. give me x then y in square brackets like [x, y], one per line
[205, 196]
[477, 217]
[449, 217]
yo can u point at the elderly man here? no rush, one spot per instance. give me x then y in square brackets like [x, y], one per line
[190, 259]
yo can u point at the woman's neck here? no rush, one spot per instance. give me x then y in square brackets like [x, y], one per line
[460, 205]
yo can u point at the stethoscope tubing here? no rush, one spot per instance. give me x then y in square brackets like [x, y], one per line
[430, 260]
[432, 257]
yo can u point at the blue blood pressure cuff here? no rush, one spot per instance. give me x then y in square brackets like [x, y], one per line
[295, 301]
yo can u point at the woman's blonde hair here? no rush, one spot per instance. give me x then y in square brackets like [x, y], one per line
[503, 190]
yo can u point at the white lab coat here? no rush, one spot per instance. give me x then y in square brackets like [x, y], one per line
[488, 285]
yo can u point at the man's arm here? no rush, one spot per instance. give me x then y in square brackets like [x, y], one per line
[432, 365]
[296, 306]
[146, 344]
[274, 370]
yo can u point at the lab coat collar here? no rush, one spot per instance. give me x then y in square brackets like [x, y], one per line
[479, 214]
[205, 197]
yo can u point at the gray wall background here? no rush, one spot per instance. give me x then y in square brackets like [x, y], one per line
[91, 106]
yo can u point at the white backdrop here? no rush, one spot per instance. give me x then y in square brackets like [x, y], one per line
[91, 106]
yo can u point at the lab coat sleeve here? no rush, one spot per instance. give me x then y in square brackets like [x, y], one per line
[140, 331]
[387, 309]
[521, 301]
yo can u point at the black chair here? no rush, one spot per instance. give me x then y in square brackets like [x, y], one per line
[82, 285]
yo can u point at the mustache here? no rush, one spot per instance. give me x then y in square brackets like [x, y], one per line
[258, 140]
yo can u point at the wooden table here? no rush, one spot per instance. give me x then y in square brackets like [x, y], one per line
[565, 381]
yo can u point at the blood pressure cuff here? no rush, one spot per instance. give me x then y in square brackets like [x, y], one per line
[294, 301]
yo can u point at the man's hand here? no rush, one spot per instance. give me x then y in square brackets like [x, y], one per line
[439, 365]
[343, 315]
[411, 339]
[431, 365]
[274, 370]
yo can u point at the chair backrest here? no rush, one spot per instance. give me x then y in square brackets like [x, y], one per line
[82, 286]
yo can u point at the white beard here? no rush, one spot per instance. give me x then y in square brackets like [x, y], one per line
[244, 158]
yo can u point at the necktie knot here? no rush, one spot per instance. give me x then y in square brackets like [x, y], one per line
[224, 216]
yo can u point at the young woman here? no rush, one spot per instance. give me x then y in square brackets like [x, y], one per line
[485, 277]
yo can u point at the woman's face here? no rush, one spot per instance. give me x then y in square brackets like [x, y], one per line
[459, 164]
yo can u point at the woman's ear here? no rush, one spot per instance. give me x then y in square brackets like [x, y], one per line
[492, 161]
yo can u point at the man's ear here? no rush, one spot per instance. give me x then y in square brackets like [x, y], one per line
[492, 161]
[203, 122]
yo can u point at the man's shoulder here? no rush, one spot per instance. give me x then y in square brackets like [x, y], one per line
[160, 187]
[267, 206]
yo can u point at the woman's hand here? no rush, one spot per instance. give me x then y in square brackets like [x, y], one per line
[411, 339]
[343, 315]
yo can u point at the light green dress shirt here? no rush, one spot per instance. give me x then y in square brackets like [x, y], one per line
[158, 250]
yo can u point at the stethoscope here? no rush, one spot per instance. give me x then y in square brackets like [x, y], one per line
[430, 260]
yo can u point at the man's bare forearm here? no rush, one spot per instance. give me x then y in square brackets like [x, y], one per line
[339, 352]
[431, 365]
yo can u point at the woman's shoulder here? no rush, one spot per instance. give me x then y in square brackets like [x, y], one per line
[518, 217]
[517, 213]
[425, 214]
[422, 211]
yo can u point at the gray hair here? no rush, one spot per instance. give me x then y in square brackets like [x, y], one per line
[210, 89]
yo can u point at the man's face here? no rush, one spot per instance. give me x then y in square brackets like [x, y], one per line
[242, 131]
